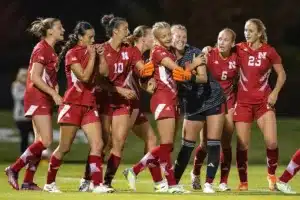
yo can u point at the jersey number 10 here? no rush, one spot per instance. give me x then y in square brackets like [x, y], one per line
[119, 67]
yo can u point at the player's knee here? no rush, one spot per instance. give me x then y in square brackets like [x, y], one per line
[96, 147]
[152, 141]
[242, 146]
[271, 145]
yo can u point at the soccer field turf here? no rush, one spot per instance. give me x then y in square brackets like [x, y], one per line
[69, 176]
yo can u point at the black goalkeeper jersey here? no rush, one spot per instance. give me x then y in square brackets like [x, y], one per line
[196, 98]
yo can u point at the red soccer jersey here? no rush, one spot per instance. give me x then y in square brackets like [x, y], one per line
[78, 92]
[166, 87]
[223, 70]
[44, 54]
[120, 64]
[255, 68]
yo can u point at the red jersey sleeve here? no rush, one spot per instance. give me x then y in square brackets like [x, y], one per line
[158, 55]
[274, 56]
[71, 58]
[136, 56]
[40, 56]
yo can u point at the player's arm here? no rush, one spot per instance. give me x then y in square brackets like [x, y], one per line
[127, 93]
[145, 69]
[207, 49]
[281, 77]
[36, 77]
[199, 60]
[201, 76]
[103, 66]
[85, 74]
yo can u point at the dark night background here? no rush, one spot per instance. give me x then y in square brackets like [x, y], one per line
[203, 19]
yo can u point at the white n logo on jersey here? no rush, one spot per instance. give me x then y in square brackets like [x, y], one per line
[125, 55]
[232, 65]
[262, 55]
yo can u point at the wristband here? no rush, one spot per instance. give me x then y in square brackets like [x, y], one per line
[193, 78]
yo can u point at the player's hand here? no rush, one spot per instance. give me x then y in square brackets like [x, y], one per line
[92, 50]
[179, 74]
[127, 93]
[57, 99]
[207, 49]
[99, 48]
[272, 99]
[147, 70]
[149, 85]
[199, 60]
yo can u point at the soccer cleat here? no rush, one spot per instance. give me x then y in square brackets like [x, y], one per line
[30, 186]
[224, 187]
[12, 178]
[272, 182]
[161, 187]
[177, 189]
[284, 187]
[131, 178]
[52, 188]
[84, 185]
[196, 184]
[243, 186]
[208, 188]
[103, 189]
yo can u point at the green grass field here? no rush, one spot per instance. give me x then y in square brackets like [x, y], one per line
[71, 172]
[69, 176]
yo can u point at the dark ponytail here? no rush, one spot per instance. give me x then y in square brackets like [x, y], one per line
[110, 22]
[79, 30]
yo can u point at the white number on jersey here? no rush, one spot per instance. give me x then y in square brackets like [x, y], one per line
[119, 67]
[254, 61]
[224, 75]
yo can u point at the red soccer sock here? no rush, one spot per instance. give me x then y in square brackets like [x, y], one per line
[226, 158]
[272, 160]
[200, 155]
[30, 171]
[111, 169]
[150, 157]
[95, 163]
[292, 168]
[155, 171]
[54, 165]
[166, 163]
[31, 154]
[241, 162]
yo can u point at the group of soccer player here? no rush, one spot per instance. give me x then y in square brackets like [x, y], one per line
[219, 89]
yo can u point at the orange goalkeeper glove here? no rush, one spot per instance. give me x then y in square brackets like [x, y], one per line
[179, 74]
[147, 70]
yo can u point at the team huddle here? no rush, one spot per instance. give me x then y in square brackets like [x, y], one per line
[217, 89]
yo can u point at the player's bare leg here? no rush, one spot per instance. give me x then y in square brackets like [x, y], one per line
[93, 132]
[67, 135]
[145, 132]
[85, 183]
[226, 156]
[267, 124]
[120, 130]
[243, 131]
[43, 125]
